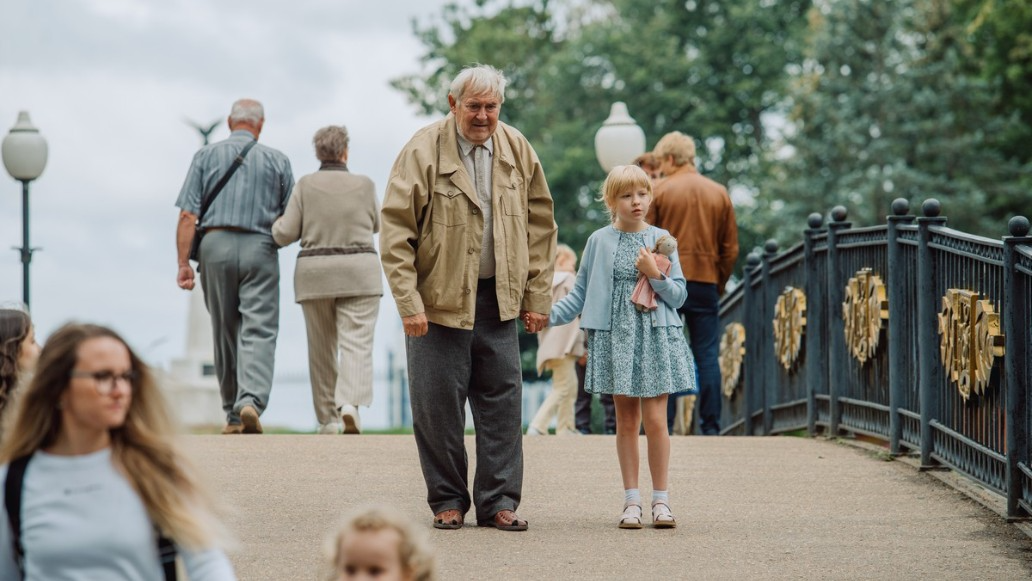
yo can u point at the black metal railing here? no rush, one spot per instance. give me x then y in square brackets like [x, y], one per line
[909, 332]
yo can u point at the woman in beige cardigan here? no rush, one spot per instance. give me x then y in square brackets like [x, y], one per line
[334, 214]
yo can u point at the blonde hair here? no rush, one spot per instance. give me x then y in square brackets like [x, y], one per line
[647, 160]
[677, 144]
[621, 179]
[142, 447]
[414, 552]
[564, 251]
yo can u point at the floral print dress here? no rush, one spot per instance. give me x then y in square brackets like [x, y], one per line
[634, 358]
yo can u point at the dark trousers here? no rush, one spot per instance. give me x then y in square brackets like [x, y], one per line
[582, 408]
[702, 321]
[447, 367]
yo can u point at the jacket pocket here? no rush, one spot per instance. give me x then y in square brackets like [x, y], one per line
[449, 207]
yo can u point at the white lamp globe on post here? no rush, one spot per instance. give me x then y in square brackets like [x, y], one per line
[620, 140]
[25, 155]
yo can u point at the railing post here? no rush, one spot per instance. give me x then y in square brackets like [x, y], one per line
[770, 359]
[752, 343]
[927, 327]
[1015, 362]
[814, 317]
[836, 327]
[897, 296]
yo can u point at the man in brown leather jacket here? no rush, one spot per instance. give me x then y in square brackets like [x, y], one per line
[699, 213]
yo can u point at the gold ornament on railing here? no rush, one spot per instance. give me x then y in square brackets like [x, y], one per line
[789, 326]
[863, 311]
[970, 339]
[732, 354]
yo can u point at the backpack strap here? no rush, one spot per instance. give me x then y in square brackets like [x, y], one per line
[13, 485]
[167, 554]
[12, 503]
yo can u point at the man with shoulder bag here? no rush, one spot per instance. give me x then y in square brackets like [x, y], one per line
[233, 192]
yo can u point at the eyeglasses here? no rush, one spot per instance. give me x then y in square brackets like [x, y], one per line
[104, 381]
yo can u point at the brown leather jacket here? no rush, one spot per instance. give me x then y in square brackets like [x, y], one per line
[698, 212]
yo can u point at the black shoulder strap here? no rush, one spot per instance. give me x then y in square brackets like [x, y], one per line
[12, 504]
[167, 554]
[13, 485]
[206, 203]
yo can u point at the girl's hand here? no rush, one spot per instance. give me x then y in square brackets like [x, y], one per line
[646, 264]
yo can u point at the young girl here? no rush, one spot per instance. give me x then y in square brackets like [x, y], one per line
[558, 350]
[18, 350]
[103, 478]
[639, 357]
[379, 543]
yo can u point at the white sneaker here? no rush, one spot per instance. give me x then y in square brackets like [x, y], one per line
[330, 428]
[352, 423]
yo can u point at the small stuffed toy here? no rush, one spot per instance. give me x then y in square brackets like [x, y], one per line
[643, 297]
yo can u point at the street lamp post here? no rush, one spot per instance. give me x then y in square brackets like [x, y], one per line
[619, 140]
[25, 155]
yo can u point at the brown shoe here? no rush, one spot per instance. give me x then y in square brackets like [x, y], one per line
[505, 520]
[249, 419]
[448, 519]
[233, 429]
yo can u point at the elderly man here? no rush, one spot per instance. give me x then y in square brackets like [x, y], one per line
[467, 244]
[699, 213]
[238, 263]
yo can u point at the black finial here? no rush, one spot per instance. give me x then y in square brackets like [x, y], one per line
[770, 246]
[839, 213]
[815, 220]
[1018, 226]
[931, 208]
[900, 207]
[753, 260]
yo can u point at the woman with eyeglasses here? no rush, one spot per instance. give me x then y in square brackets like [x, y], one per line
[105, 494]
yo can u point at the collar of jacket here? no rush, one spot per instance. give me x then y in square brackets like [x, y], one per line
[450, 164]
[333, 165]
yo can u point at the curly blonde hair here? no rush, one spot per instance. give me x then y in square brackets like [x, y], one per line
[414, 552]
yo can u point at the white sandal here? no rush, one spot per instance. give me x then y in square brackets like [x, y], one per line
[662, 518]
[631, 517]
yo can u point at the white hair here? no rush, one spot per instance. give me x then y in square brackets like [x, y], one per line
[247, 111]
[479, 79]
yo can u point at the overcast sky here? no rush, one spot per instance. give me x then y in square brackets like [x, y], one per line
[109, 84]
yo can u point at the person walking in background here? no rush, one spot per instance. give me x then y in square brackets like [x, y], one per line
[380, 543]
[558, 350]
[582, 407]
[335, 213]
[699, 213]
[468, 244]
[18, 351]
[648, 162]
[638, 356]
[238, 264]
[104, 491]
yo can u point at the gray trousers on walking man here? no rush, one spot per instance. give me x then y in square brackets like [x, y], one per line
[240, 278]
[448, 366]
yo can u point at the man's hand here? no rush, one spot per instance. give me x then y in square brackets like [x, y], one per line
[533, 322]
[185, 278]
[415, 325]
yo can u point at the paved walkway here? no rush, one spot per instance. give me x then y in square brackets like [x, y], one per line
[748, 508]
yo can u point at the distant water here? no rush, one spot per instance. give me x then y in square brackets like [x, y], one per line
[290, 404]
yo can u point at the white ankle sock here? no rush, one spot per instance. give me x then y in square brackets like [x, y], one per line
[661, 496]
[631, 496]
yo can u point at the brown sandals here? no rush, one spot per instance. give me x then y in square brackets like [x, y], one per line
[505, 520]
[448, 519]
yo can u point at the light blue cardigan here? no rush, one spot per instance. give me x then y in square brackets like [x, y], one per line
[591, 297]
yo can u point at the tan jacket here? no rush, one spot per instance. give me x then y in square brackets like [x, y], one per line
[698, 212]
[433, 227]
[333, 210]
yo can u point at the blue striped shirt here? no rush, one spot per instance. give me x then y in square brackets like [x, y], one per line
[253, 198]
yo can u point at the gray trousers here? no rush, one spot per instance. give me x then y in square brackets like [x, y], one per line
[447, 367]
[240, 277]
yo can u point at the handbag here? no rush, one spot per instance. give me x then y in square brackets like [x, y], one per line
[195, 244]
